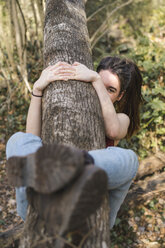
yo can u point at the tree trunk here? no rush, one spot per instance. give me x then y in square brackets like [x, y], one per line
[71, 111]
[71, 114]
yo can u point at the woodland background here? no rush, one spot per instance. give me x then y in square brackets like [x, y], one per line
[134, 29]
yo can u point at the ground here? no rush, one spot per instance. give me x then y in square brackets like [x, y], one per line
[137, 226]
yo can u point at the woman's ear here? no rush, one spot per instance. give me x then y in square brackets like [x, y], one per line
[120, 96]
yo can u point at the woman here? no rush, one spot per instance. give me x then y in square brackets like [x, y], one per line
[117, 82]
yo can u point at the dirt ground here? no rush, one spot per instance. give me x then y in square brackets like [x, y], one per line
[141, 225]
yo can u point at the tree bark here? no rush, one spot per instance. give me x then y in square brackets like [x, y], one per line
[71, 115]
[71, 111]
[149, 181]
[150, 165]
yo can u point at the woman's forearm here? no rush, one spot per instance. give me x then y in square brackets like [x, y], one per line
[109, 114]
[59, 71]
[115, 124]
[33, 123]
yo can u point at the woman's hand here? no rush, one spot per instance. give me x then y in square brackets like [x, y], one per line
[82, 73]
[59, 71]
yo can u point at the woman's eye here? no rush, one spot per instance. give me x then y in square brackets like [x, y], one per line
[110, 90]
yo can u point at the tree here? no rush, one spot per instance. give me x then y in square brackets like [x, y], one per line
[71, 115]
[66, 39]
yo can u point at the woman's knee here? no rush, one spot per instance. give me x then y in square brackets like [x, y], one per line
[22, 144]
[134, 158]
[16, 136]
[13, 141]
[129, 157]
[133, 161]
[116, 161]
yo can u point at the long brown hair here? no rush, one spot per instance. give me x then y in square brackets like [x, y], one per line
[130, 83]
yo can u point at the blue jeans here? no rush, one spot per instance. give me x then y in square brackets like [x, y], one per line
[120, 165]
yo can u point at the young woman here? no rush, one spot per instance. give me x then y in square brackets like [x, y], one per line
[118, 85]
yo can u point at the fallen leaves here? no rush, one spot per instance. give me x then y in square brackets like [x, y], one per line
[137, 226]
[8, 214]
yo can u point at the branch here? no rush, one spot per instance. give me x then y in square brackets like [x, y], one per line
[86, 236]
[144, 189]
[25, 79]
[35, 16]
[99, 37]
[105, 22]
[100, 9]
[103, 26]
[23, 18]
[151, 165]
[41, 7]
[10, 237]
[47, 239]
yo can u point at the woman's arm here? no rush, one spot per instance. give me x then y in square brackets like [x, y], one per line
[33, 122]
[116, 125]
[59, 71]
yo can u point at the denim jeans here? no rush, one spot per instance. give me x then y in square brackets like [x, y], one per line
[120, 165]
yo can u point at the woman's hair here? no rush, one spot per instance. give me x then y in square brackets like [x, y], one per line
[130, 83]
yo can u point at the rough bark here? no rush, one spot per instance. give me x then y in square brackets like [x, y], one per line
[145, 189]
[71, 115]
[150, 165]
[71, 111]
[149, 182]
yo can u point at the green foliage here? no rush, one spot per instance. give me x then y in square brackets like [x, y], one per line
[15, 72]
[135, 31]
[12, 114]
[153, 204]
[122, 240]
[150, 56]
[144, 43]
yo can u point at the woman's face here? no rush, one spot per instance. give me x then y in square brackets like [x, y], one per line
[112, 84]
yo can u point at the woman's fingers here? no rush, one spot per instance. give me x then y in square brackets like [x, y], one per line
[64, 70]
[61, 71]
[65, 74]
[76, 63]
[60, 64]
[62, 78]
[63, 66]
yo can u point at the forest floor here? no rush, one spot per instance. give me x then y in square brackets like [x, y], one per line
[137, 226]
